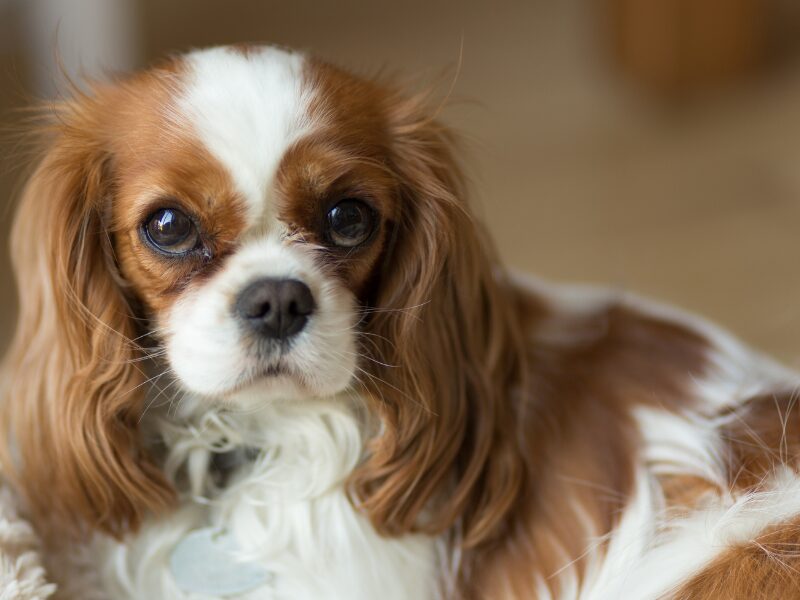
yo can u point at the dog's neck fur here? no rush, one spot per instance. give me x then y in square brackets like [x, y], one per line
[275, 478]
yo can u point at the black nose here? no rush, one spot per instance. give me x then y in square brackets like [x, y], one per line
[275, 308]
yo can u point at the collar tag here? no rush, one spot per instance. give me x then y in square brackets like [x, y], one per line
[205, 562]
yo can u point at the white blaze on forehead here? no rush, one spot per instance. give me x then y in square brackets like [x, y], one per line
[247, 109]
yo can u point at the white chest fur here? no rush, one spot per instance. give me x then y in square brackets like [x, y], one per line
[285, 506]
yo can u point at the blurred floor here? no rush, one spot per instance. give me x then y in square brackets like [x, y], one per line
[578, 175]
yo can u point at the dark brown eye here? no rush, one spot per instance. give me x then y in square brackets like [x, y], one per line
[171, 231]
[350, 223]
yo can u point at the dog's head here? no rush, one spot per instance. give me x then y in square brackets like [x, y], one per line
[268, 228]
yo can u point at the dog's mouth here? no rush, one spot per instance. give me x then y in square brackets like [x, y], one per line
[271, 370]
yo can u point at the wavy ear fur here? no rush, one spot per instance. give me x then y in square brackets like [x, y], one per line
[445, 328]
[70, 407]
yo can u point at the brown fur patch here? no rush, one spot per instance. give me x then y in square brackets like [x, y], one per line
[349, 155]
[159, 164]
[762, 434]
[579, 438]
[768, 568]
[684, 493]
[757, 437]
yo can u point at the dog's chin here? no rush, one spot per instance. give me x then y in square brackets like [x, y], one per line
[264, 389]
[270, 386]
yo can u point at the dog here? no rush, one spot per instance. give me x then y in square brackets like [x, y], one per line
[265, 350]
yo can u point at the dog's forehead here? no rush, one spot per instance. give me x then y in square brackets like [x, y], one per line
[247, 107]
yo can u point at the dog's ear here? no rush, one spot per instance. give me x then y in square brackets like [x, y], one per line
[446, 350]
[72, 387]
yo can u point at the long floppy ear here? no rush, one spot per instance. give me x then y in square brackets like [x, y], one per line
[71, 404]
[447, 351]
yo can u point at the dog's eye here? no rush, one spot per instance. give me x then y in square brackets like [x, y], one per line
[350, 223]
[171, 231]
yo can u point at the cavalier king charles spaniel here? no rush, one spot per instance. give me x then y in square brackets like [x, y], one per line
[265, 351]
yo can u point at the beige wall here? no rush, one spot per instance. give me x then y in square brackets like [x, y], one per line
[579, 174]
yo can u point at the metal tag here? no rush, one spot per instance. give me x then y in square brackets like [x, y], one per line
[205, 562]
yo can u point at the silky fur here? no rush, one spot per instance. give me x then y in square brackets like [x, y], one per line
[439, 428]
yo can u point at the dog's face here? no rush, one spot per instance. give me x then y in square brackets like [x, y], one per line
[270, 228]
[254, 206]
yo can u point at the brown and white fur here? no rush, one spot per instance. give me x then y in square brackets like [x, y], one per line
[437, 429]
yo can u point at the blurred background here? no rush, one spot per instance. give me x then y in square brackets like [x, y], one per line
[653, 145]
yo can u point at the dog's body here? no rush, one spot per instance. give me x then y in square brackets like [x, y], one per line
[693, 483]
[340, 376]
